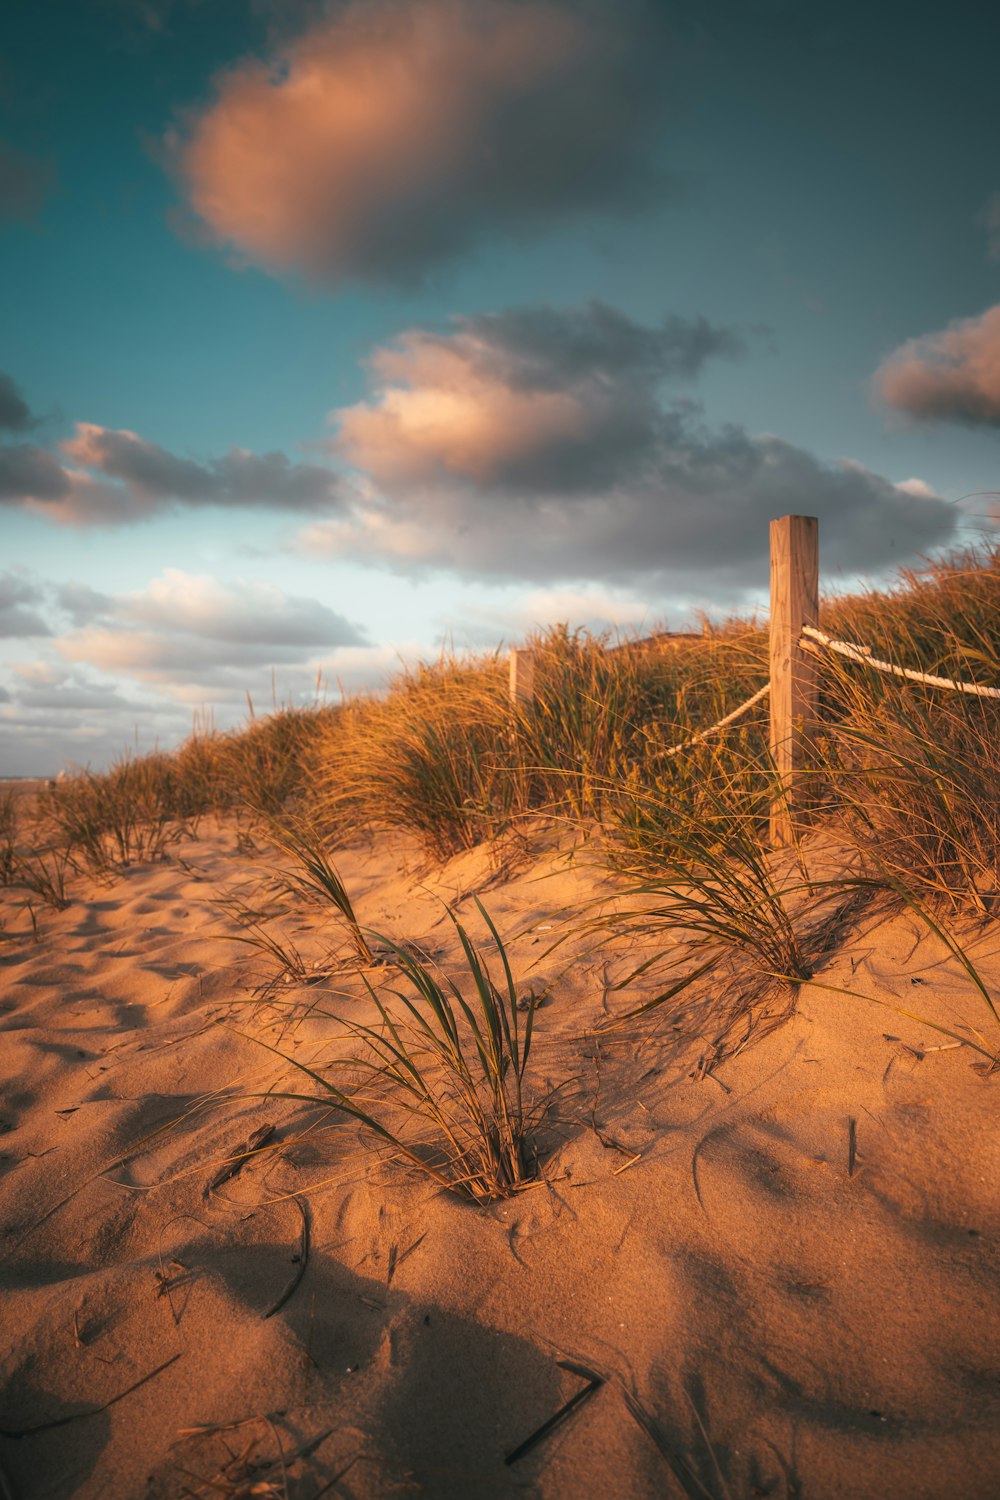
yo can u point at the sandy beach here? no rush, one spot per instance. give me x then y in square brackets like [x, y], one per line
[767, 1265]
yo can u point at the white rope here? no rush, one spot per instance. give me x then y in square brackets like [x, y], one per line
[863, 654]
[703, 734]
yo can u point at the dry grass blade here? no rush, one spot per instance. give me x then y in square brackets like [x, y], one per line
[316, 877]
[678, 1465]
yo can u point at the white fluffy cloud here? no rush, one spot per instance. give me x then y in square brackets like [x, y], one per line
[190, 629]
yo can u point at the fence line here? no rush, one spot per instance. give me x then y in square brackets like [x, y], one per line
[793, 679]
[703, 734]
[863, 654]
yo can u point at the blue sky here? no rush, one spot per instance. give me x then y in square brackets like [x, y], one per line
[329, 332]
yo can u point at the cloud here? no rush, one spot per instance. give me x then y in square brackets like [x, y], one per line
[82, 603]
[527, 400]
[188, 628]
[42, 686]
[118, 478]
[251, 614]
[15, 620]
[394, 135]
[509, 616]
[25, 182]
[952, 375]
[30, 473]
[547, 446]
[15, 414]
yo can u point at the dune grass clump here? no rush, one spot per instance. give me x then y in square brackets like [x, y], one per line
[719, 892]
[123, 817]
[8, 838]
[443, 1077]
[133, 812]
[943, 616]
[433, 758]
[919, 787]
[915, 769]
[585, 724]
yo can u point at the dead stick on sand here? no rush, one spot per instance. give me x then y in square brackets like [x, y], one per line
[234, 1163]
[90, 1411]
[303, 1261]
[594, 1383]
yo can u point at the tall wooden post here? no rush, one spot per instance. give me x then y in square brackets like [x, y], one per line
[522, 677]
[794, 674]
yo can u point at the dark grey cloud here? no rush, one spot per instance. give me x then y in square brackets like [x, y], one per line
[25, 183]
[82, 603]
[73, 694]
[530, 401]
[28, 472]
[543, 348]
[17, 618]
[117, 478]
[543, 445]
[391, 136]
[239, 478]
[15, 414]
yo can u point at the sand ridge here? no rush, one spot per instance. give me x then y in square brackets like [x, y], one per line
[782, 1266]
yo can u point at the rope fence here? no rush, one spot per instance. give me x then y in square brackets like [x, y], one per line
[796, 646]
[863, 654]
[737, 713]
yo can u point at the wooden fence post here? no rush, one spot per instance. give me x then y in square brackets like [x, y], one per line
[794, 674]
[522, 677]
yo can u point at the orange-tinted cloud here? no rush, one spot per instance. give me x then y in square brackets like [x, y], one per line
[528, 399]
[953, 375]
[543, 444]
[449, 416]
[395, 134]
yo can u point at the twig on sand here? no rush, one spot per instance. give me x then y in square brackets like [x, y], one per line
[89, 1411]
[238, 1159]
[594, 1383]
[302, 1259]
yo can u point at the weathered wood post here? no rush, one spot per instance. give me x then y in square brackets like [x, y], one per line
[522, 677]
[794, 673]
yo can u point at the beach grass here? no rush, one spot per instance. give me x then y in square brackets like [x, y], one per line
[907, 777]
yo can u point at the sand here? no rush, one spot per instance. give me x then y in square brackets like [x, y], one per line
[769, 1269]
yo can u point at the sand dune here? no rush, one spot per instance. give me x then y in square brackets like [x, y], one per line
[774, 1271]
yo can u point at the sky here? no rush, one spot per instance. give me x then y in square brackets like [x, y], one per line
[336, 334]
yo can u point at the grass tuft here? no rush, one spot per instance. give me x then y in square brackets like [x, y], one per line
[455, 1067]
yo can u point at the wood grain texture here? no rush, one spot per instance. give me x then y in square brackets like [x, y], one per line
[794, 673]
